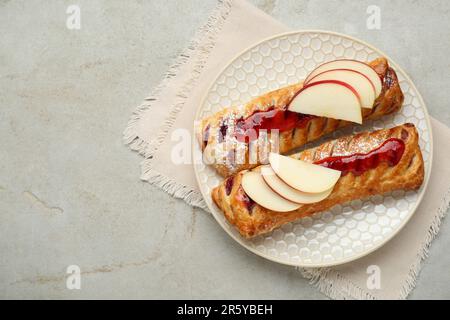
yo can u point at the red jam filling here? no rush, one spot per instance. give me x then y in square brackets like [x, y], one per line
[247, 129]
[284, 120]
[249, 203]
[206, 136]
[389, 78]
[241, 195]
[229, 185]
[391, 151]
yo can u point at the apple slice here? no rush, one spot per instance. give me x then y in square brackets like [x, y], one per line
[349, 64]
[328, 98]
[258, 190]
[303, 176]
[356, 79]
[289, 193]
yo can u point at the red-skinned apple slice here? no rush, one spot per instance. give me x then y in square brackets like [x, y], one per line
[302, 175]
[289, 193]
[353, 65]
[356, 79]
[328, 98]
[258, 190]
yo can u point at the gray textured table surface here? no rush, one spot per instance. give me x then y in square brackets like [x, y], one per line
[69, 188]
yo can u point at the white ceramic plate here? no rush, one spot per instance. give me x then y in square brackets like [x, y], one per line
[346, 232]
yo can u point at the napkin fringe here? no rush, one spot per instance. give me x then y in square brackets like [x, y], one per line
[207, 33]
[334, 285]
[433, 231]
[175, 189]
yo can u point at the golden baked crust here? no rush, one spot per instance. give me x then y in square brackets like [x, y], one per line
[408, 174]
[389, 101]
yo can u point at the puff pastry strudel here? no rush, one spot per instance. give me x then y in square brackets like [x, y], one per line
[366, 179]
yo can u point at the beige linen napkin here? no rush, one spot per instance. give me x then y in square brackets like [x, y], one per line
[232, 27]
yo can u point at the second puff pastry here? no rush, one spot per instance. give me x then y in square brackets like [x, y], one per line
[251, 219]
[312, 128]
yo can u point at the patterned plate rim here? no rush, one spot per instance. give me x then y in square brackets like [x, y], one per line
[365, 252]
